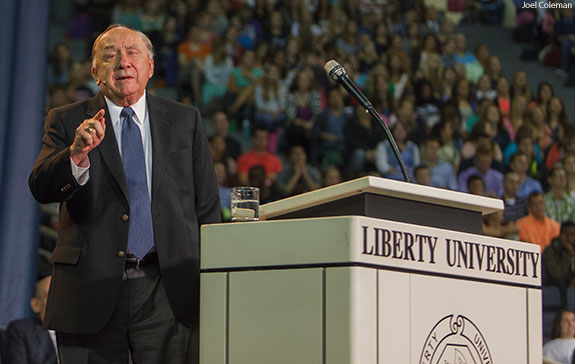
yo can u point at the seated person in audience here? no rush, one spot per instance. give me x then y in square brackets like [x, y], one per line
[362, 135]
[558, 261]
[536, 227]
[241, 86]
[328, 138]
[476, 185]
[269, 191]
[258, 155]
[221, 126]
[562, 343]
[385, 159]
[422, 175]
[494, 225]
[442, 173]
[225, 192]
[558, 204]
[330, 175]
[565, 145]
[298, 176]
[482, 161]
[526, 143]
[519, 163]
[303, 105]
[26, 340]
[270, 99]
[514, 207]
[219, 153]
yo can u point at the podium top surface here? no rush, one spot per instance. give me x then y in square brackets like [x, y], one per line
[385, 187]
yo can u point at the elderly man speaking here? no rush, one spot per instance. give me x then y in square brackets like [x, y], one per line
[135, 182]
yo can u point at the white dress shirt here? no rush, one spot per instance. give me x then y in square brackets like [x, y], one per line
[142, 119]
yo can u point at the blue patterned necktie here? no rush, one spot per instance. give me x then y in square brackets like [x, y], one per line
[141, 233]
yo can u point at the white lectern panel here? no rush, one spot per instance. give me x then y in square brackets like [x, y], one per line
[213, 320]
[394, 317]
[351, 315]
[275, 316]
[455, 320]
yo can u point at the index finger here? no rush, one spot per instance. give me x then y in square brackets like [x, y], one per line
[99, 115]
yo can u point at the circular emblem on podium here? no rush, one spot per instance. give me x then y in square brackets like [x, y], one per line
[455, 340]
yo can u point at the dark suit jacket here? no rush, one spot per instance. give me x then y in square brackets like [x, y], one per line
[93, 226]
[28, 343]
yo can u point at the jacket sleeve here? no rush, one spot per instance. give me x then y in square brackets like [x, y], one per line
[51, 179]
[15, 345]
[207, 193]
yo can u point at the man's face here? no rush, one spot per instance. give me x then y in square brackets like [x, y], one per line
[483, 162]
[260, 141]
[122, 66]
[297, 155]
[221, 124]
[567, 237]
[537, 207]
[559, 179]
[511, 184]
[431, 150]
[520, 164]
[423, 176]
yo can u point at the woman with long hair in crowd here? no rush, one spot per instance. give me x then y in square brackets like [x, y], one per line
[462, 97]
[492, 115]
[484, 90]
[398, 75]
[429, 46]
[544, 94]
[270, 96]
[517, 115]
[541, 130]
[447, 132]
[242, 84]
[432, 69]
[494, 70]
[520, 85]
[556, 116]
[218, 68]
[482, 132]
[381, 37]
[303, 105]
[562, 344]
[377, 89]
[449, 78]
[503, 96]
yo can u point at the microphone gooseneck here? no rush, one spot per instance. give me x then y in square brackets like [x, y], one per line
[336, 72]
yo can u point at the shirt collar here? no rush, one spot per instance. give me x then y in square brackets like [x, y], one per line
[139, 109]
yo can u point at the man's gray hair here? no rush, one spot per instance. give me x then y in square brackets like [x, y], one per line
[143, 36]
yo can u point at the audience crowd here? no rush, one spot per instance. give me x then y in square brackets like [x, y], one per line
[255, 70]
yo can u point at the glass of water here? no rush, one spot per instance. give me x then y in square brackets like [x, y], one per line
[245, 204]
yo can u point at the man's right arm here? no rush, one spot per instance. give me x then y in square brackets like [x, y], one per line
[51, 179]
[62, 165]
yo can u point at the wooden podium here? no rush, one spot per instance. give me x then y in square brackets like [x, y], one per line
[369, 271]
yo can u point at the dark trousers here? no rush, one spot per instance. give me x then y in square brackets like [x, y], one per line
[142, 330]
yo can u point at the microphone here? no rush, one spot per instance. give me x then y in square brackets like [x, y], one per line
[336, 72]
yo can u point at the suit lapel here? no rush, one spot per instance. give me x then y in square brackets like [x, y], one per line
[108, 147]
[161, 130]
